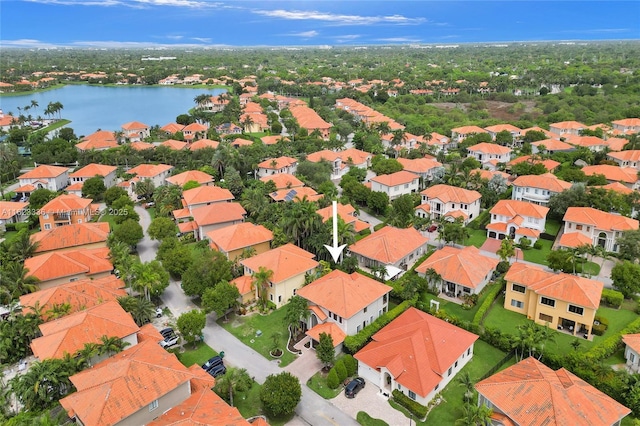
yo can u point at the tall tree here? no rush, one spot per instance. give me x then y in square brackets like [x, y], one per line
[325, 350]
[149, 278]
[220, 298]
[191, 325]
[234, 380]
[280, 394]
[297, 311]
[261, 281]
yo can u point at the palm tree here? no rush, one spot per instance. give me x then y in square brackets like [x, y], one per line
[261, 281]
[201, 99]
[466, 383]
[235, 380]
[297, 312]
[433, 278]
[148, 276]
[88, 351]
[112, 345]
[247, 122]
[507, 249]
[22, 247]
[16, 281]
[58, 310]
[141, 309]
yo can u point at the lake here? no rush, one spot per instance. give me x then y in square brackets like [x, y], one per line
[95, 107]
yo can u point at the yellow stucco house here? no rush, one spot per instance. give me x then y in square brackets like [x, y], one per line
[562, 301]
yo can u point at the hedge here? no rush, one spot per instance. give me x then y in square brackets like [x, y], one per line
[351, 364]
[353, 344]
[415, 408]
[341, 370]
[612, 343]
[612, 298]
[486, 304]
[481, 221]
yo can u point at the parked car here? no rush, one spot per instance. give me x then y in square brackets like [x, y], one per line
[213, 362]
[148, 205]
[169, 340]
[217, 371]
[432, 228]
[159, 312]
[354, 386]
[166, 331]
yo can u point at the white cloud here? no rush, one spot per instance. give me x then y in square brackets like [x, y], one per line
[304, 34]
[175, 37]
[400, 40]
[202, 39]
[27, 43]
[338, 19]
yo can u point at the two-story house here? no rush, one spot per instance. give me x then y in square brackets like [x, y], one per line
[628, 176]
[194, 131]
[394, 249]
[310, 120]
[627, 126]
[566, 128]
[107, 173]
[417, 354]
[537, 189]
[342, 161]
[202, 178]
[53, 178]
[450, 201]
[396, 184]
[550, 146]
[562, 301]
[238, 240]
[157, 173]
[462, 271]
[13, 212]
[592, 143]
[278, 165]
[530, 393]
[490, 154]
[342, 304]
[459, 134]
[632, 352]
[86, 235]
[513, 130]
[629, 158]
[214, 216]
[289, 264]
[347, 213]
[65, 209]
[600, 228]
[517, 219]
[426, 168]
[98, 141]
[135, 131]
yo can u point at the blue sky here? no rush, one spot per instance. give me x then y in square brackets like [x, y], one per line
[141, 23]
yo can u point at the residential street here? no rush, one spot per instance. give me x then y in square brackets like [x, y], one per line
[312, 410]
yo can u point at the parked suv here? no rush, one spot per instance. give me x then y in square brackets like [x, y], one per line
[170, 337]
[217, 370]
[354, 386]
[213, 362]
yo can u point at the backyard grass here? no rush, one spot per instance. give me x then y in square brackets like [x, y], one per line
[552, 226]
[477, 237]
[538, 256]
[456, 310]
[318, 384]
[245, 328]
[616, 358]
[199, 355]
[249, 405]
[109, 218]
[366, 420]
[485, 357]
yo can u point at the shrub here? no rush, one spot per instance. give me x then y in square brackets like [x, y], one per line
[332, 379]
[341, 370]
[486, 304]
[503, 267]
[351, 364]
[415, 408]
[9, 227]
[612, 298]
[537, 245]
[600, 325]
[21, 226]
[525, 243]
[612, 343]
[379, 226]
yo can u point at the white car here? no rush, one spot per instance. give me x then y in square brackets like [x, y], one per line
[159, 312]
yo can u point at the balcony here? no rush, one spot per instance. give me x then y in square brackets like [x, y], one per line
[62, 218]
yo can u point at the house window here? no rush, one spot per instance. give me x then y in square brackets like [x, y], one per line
[47, 226]
[384, 298]
[412, 395]
[456, 365]
[271, 297]
[576, 309]
[632, 357]
[518, 288]
[469, 351]
[579, 227]
[340, 320]
[365, 310]
[517, 304]
[357, 329]
[406, 185]
[545, 317]
[547, 301]
[46, 215]
[450, 370]
[153, 405]
[279, 299]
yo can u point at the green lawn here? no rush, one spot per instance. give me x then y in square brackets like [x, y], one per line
[538, 256]
[477, 237]
[456, 310]
[109, 218]
[552, 226]
[9, 235]
[249, 405]
[366, 420]
[616, 358]
[199, 355]
[246, 327]
[485, 357]
[318, 384]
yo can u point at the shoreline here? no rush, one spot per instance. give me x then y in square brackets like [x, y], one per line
[79, 83]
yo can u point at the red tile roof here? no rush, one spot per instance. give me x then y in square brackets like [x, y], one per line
[66, 203]
[389, 245]
[298, 194]
[547, 163]
[77, 234]
[149, 170]
[9, 209]
[141, 146]
[216, 213]
[203, 143]
[530, 393]
[240, 236]
[134, 125]
[490, 148]
[613, 173]
[466, 266]
[102, 139]
[206, 194]
[465, 130]
[574, 239]
[398, 178]
[285, 262]
[632, 340]
[330, 328]
[417, 349]
[568, 125]
[419, 165]
[451, 194]
[512, 208]
[93, 169]
[283, 180]
[342, 293]
[277, 163]
[44, 172]
[553, 145]
[188, 176]
[631, 155]
[308, 118]
[546, 181]
[599, 219]
[52, 265]
[244, 284]
[174, 144]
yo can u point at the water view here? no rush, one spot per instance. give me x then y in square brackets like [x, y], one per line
[94, 107]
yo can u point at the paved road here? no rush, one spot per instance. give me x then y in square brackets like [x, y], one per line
[312, 410]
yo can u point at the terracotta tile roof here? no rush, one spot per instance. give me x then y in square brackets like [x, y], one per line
[331, 328]
[283, 180]
[69, 333]
[134, 125]
[308, 118]
[102, 139]
[174, 144]
[553, 145]
[500, 127]
[547, 163]
[398, 178]
[616, 186]
[218, 213]
[76, 187]
[616, 144]
[574, 239]
[241, 142]
[569, 288]
[298, 194]
[77, 234]
[25, 188]
[65, 203]
[149, 170]
[206, 194]
[467, 266]
[465, 130]
[149, 332]
[172, 128]
[530, 393]
[185, 227]
[417, 349]
[203, 143]
[585, 141]
[632, 340]
[79, 294]
[203, 408]
[453, 194]
[44, 172]
[346, 212]
[613, 173]
[512, 208]
[342, 293]
[568, 125]
[546, 181]
[536, 129]
[127, 382]
[49, 266]
[8, 209]
[325, 154]
[355, 156]
[389, 245]
[280, 163]
[599, 219]
[285, 261]
[490, 148]
[181, 213]
[272, 140]
[195, 127]
[240, 236]
[93, 169]
[318, 312]
[419, 165]
[190, 175]
[244, 284]
[628, 122]
[141, 146]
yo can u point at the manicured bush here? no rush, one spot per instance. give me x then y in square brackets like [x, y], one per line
[415, 408]
[10, 227]
[612, 298]
[341, 370]
[525, 243]
[612, 343]
[537, 245]
[503, 267]
[332, 379]
[21, 226]
[351, 364]
[600, 325]
[379, 226]
[486, 304]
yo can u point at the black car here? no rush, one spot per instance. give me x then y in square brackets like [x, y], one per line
[354, 386]
[217, 371]
[166, 332]
[213, 362]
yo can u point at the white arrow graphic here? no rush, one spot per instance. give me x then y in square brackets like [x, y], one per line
[335, 250]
